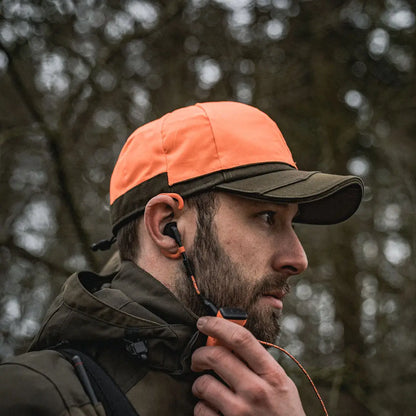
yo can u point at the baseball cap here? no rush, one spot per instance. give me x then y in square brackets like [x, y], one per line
[226, 146]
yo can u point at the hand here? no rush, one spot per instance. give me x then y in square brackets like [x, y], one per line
[255, 384]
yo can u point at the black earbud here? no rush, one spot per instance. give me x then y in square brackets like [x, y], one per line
[171, 230]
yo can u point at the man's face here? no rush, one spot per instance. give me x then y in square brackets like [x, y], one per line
[243, 255]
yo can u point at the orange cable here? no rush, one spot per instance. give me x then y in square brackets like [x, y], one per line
[195, 285]
[303, 370]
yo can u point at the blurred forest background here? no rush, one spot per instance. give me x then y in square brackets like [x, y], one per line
[77, 77]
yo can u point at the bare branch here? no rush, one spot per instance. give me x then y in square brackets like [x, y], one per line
[57, 268]
[113, 51]
[55, 149]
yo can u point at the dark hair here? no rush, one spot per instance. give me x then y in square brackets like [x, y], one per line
[128, 235]
[128, 240]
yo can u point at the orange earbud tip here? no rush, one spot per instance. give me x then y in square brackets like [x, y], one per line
[176, 255]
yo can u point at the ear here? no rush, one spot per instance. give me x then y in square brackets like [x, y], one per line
[159, 211]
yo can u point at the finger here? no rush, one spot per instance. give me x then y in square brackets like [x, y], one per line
[241, 380]
[243, 343]
[215, 394]
[203, 409]
[224, 363]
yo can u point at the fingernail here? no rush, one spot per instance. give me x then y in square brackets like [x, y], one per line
[201, 321]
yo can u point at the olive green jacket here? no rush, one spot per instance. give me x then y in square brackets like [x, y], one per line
[101, 315]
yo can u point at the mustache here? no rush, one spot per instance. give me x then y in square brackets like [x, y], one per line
[270, 284]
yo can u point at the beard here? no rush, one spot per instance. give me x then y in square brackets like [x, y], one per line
[224, 283]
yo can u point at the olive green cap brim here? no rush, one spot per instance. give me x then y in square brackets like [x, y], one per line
[322, 198]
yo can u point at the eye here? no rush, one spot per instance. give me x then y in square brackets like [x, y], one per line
[268, 217]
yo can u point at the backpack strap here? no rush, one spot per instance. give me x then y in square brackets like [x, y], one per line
[104, 388]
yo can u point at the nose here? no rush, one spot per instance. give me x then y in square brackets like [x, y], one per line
[290, 257]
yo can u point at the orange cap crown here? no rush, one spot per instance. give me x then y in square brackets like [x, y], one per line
[198, 140]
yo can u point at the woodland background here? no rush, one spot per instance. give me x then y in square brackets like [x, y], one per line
[76, 77]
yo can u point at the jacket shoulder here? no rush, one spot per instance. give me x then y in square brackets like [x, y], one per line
[42, 383]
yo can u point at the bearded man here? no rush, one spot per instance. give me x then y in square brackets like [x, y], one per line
[202, 201]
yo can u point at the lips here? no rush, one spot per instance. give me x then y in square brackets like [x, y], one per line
[278, 293]
[274, 298]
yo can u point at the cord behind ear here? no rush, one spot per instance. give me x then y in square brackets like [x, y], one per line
[177, 197]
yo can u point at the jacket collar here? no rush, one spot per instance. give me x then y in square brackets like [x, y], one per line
[95, 309]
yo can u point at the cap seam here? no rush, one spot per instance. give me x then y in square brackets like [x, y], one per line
[301, 199]
[165, 153]
[213, 135]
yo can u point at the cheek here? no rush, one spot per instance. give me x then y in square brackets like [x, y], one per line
[251, 258]
[235, 244]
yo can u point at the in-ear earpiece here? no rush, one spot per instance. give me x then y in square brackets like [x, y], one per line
[171, 230]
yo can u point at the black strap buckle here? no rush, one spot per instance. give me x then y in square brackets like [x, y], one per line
[137, 348]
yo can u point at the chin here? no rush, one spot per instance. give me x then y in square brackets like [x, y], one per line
[264, 323]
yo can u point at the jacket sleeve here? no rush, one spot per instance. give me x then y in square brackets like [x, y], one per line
[43, 384]
[25, 391]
